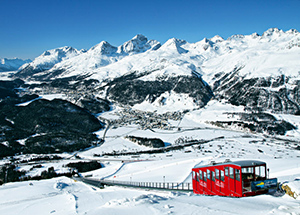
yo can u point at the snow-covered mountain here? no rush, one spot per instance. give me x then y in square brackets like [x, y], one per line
[251, 63]
[47, 60]
[12, 64]
[273, 53]
[67, 61]
[258, 72]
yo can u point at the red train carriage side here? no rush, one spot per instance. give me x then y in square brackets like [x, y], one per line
[237, 179]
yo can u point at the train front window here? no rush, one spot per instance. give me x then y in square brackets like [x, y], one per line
[260, 172]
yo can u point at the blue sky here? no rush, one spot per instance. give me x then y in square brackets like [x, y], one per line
[29, 27]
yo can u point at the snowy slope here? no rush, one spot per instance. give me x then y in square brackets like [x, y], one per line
[67, 196]
[272, 54]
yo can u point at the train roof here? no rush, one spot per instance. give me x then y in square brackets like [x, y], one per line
[241, 163]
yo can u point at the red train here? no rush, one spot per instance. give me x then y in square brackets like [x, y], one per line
[236, 179]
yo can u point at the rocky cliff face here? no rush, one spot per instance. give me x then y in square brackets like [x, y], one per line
[276, 94]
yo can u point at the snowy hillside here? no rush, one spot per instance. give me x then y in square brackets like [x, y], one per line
[67, 196]
[11, 64]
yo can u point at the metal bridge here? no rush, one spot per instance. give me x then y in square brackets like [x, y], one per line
[183, 187]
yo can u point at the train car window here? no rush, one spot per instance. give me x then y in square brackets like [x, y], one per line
[204, 176]
[247, 170]
[197, 176]
[212, 175]
[231, 172]
[237, 175]
[208, 174]
[226, 171]
[217, 174]
[222, 175]
[247, 173]
[200, 175]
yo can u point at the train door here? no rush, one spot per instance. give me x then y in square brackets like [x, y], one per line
[247, 177]
[231, 181]
[213, 181]
[209, 182]
[201, 182]
[238, 182]
[205, 182]
[219, 183]
[227, 182]
[222, 181]
[198, 184]
[235, 184]
[195, 182]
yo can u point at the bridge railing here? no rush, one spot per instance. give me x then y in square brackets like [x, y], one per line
[147, 185]
[155, 185]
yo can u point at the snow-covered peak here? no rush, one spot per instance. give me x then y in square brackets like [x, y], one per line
[138, 44]
[175, 44]
[217, 39]
[12, 64]
[236, 37]
[292, 31]
[273, 31]
[255, 35]
[60, 52]
[174, 41]
[51, 57]
[104, 48]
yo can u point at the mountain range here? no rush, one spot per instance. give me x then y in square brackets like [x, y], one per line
[264, 64]
[259, 73]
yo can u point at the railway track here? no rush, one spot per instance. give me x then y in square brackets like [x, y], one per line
[167, 186]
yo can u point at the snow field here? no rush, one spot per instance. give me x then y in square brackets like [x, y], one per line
[68, 197]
